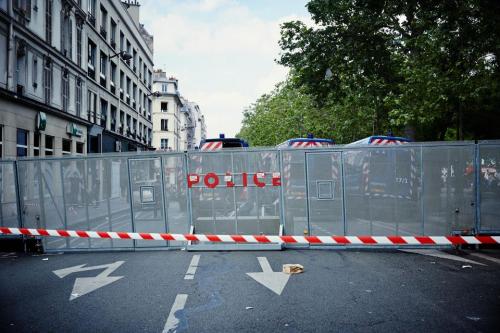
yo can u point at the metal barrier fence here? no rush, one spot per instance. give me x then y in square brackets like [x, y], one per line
[417, 189]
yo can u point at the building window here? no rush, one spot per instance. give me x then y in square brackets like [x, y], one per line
[47, 80]
[164, 87]
[79, 44]
[92, 106]
[122, 122]
[66, 34]
[134, 128]
[164, 107]
[134, 95]
[112, 34]
[79, 148]
[129, 127]
[48, 21]
[128, 91]
[122, 41]
[91, 11]
[102, 69]
[22, 142]
[104, 22]
[91, 59]
[112, 78]
[66, 147]
[49, 145]
[164, 124]
[113, 118]
[104, 112]
[122, 84]
[78, 97]
[34, 72]
[23, 8]
[134, 60]
[65, 90]
[36, 144]
[1, 141]
[164, 143]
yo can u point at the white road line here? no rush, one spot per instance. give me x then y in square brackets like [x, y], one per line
[172, 320]
[484, 256]
[192, 267]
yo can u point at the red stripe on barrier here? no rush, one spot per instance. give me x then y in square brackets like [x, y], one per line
[262, 239]
[146, 236]
[42, 232]
[103, 234]
[79, 233]
[213, 238]
[313, 240]
[190, 237]
[5, 230]
[123, 235]
[341, 240]
[486, 239]
[288, 239]
[25, 231]
[456, 240]
[397, 240]
[167, 237]
[367, 240]
[238, 239]
[64, 233]
[425, 240]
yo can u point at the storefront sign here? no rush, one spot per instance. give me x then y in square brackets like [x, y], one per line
[41, 121]
[73, 130]
[212, 180]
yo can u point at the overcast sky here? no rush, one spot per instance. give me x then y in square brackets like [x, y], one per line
[222, 51]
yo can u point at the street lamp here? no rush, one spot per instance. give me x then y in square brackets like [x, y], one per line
[123, 54]
[154, 94]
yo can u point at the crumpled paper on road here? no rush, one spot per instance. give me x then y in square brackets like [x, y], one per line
[293, 268]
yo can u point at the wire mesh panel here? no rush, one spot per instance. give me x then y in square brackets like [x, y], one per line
[147, 198]
[53, 203]
[325, 197]
[294, 192]
[448, 189]
[8, 196]
[30, 194]
[489, 187]
[75, 201]
[382, 191]
[235, 192]
[176, 200]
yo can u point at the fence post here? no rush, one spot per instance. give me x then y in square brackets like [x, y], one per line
[477, 186]
[164, 199]
[342, 180]
[282, 196]
[188, 190]
[20, 220]
[421, 194]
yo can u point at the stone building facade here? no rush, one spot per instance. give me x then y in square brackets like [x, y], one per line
[75, 78]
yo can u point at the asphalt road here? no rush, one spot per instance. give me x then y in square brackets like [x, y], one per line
[340, 290]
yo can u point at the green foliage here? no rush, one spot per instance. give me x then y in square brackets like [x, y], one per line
[430, 67]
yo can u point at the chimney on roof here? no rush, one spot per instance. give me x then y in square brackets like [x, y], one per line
[132, 7]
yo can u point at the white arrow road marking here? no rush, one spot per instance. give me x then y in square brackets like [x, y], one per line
[172, 321]
[275, 281]
[443, 255]
[86, 285]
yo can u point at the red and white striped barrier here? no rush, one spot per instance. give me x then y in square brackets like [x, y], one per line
[335, 240]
